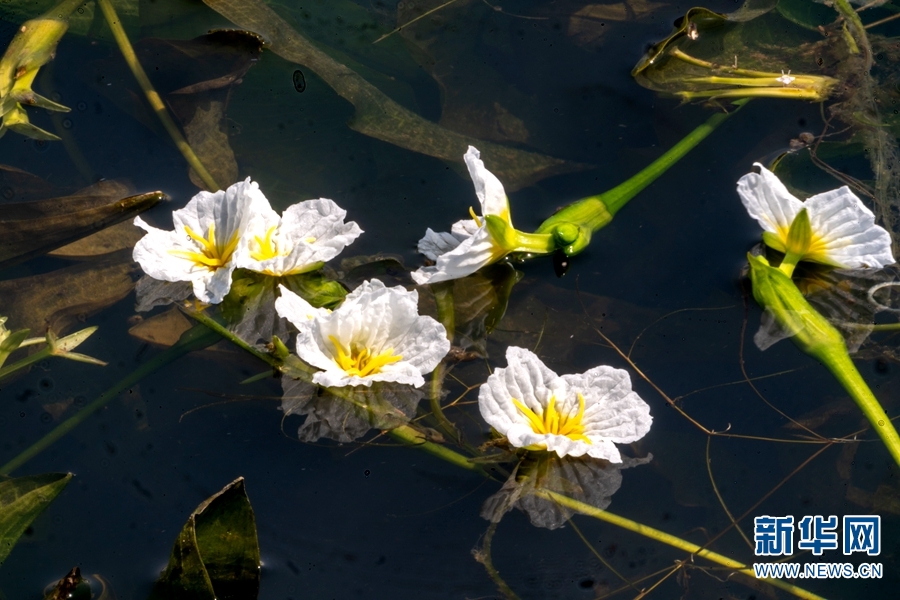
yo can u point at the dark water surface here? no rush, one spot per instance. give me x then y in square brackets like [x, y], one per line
[377, 520]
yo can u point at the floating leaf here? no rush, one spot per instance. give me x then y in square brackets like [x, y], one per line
[21, 500]
[379, 116]
[30, 229]
[216, 555]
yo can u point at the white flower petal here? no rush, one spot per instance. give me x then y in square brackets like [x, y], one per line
[436, 243]
[472, 254]
[309, 233]
[488, 188]
[768, 201]
[613, 413]
[167, 255]
[380, 320]
[847, 233]
[295, 309]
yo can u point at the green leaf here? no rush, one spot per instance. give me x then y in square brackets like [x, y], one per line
[21, 500]
[316, 289]
[216, 555]
[11, 342]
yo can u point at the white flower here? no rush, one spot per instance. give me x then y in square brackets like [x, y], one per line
[843, 230]
[201, 248]
[376, 334]
[309, 234]
[571, 415]
[471, 244]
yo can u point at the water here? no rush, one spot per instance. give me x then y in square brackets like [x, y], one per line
[372, 519]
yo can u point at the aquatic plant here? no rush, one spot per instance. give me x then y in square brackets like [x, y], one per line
[571, 415]
[377, 334]
[202, 246]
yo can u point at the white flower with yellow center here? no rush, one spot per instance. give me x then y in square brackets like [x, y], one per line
[309, 234]
[376, 334]
[202, 246]
[833, 228]
[572, 415]
[477, 242]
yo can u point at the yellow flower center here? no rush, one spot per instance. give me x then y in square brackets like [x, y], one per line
[551, 421]
[211, 255]
[361, 362]
[266, 247]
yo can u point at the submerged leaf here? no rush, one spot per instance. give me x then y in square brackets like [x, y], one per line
[379, 116]
[58, 299]
[21, 500]
[216, 555]
[29, 229]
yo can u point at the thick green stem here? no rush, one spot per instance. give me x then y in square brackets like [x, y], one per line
[193, 339]
[843, 369]
[594, 212]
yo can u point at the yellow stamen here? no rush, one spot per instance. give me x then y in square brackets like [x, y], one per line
[211, 255]
[266, 247]
[474, 216]
[361, 363]
[551, 421]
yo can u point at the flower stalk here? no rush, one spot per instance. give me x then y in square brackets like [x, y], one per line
[572, 226]
[774, 291]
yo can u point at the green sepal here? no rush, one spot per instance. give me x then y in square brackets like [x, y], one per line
[503, 234]
[800, 235]
[773, 241]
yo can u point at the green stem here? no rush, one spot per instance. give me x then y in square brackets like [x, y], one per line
[617, 197]
[594, 212]
[27, 361]
[668, 539]
[843, 369]
[156, 103]
[193, 339]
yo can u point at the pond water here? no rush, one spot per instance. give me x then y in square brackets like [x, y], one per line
[372, 518]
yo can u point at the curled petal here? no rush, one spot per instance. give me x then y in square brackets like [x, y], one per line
[768, 201]
[472, 254]
[488, 188]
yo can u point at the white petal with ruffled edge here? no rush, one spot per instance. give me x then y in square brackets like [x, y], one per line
[846, 233]
[843, 228]
[295, 309]
[613, 412]
[470, 255]
[308, 234]
[378, 319]
[163, 254]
